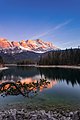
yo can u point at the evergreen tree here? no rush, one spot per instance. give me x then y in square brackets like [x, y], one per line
[61, 57]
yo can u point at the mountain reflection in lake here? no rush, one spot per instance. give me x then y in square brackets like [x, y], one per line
[22, 87]
[61, 85]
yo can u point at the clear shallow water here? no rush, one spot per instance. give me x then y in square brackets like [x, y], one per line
[64, 87]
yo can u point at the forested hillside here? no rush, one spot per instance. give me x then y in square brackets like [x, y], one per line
[61, 57]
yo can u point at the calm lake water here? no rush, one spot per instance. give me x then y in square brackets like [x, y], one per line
[64, 87]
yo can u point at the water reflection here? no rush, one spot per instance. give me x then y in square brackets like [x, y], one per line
[31, 80]
[58, 90]
[69, 75]
[25, 87]
[17, 73]
[32, 74]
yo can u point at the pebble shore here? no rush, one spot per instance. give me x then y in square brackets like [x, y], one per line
[24, 114]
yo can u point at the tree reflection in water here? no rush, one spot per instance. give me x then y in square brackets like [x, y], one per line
[60, 74]
[27, 90]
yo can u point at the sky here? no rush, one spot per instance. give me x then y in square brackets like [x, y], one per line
[56, 21]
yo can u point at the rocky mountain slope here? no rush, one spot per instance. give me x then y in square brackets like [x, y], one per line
[14, 51]
[28, 45]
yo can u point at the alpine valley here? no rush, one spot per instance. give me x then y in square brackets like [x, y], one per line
[14, 51]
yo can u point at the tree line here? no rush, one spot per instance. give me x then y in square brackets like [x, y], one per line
[61, 57]
[25, 62]
[1, 60]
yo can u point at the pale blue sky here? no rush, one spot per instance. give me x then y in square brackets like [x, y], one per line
[57, 21]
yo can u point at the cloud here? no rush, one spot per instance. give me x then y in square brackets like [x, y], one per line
[52, 29]
[62, 24]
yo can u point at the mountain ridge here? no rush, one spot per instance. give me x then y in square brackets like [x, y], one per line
[13, 52]
[37, 45]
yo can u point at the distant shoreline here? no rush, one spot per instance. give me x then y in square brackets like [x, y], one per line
[46, 66]
[3, 68]
[59, 66]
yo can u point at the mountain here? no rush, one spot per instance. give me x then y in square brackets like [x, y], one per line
[37, 45]
[13, 52]
[18, 57]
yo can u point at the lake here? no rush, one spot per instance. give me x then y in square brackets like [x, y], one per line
[63, 88]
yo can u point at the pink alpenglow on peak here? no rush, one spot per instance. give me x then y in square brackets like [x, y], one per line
[15, 44]
[4, 43]
[37, 45]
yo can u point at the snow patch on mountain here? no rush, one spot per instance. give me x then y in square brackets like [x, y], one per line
[37, 46]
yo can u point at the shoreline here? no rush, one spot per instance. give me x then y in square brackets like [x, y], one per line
[3, 68]
[46, 66]
[59, 66]
[27, 112]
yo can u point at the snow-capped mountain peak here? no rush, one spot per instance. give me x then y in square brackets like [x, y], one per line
[38, 45]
